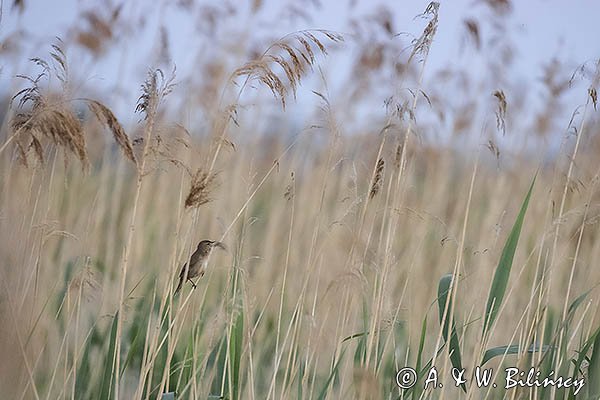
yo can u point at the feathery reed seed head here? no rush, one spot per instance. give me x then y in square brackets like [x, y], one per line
[300, 49]
[378, 178]
[105, 116]
[202, 185]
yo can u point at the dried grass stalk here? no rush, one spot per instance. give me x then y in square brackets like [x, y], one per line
[298, 51]
[377, 179]
[501, 111]
[422, 44]
[41, 118]
[55, 123]
[37, 148]
[155, 88]
[106, 117]
[22, 154]
[493, 148]
[289, 190]
[594, 96]
[473, 32]
[398, 155]
[203, 184]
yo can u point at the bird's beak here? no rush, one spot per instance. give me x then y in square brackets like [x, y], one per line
[220, 245]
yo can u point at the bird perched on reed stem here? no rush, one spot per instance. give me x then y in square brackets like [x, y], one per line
[197, 263]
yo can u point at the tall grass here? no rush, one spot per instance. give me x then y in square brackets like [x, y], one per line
[342, 248]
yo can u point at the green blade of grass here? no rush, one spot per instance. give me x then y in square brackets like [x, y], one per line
[591, 341]
[354, 336]
[448, 323]
[235, 353]
[107, 377]
[332, 374]
[216, 361]
[594, 370]
[137, 337]
[576, 303]
[300, 379]
[510, 349]
[504, 267]
[83, 382]
[420, 374]
[418, 388]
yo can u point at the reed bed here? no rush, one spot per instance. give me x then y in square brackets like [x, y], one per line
[350, 256]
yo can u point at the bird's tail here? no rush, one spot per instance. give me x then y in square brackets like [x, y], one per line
[179, 285]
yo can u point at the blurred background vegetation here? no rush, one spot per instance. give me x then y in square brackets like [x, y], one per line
[370, 191]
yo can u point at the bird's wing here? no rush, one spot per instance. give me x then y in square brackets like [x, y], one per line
[193, 260]
[195, 257]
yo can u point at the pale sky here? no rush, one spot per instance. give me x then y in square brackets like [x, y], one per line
[541, 29]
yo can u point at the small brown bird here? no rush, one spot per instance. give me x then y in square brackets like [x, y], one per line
[198, 262]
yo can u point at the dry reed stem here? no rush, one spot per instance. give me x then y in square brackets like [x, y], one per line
[19, 338]
[154, 89]
[564, 197]
[420, 46]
